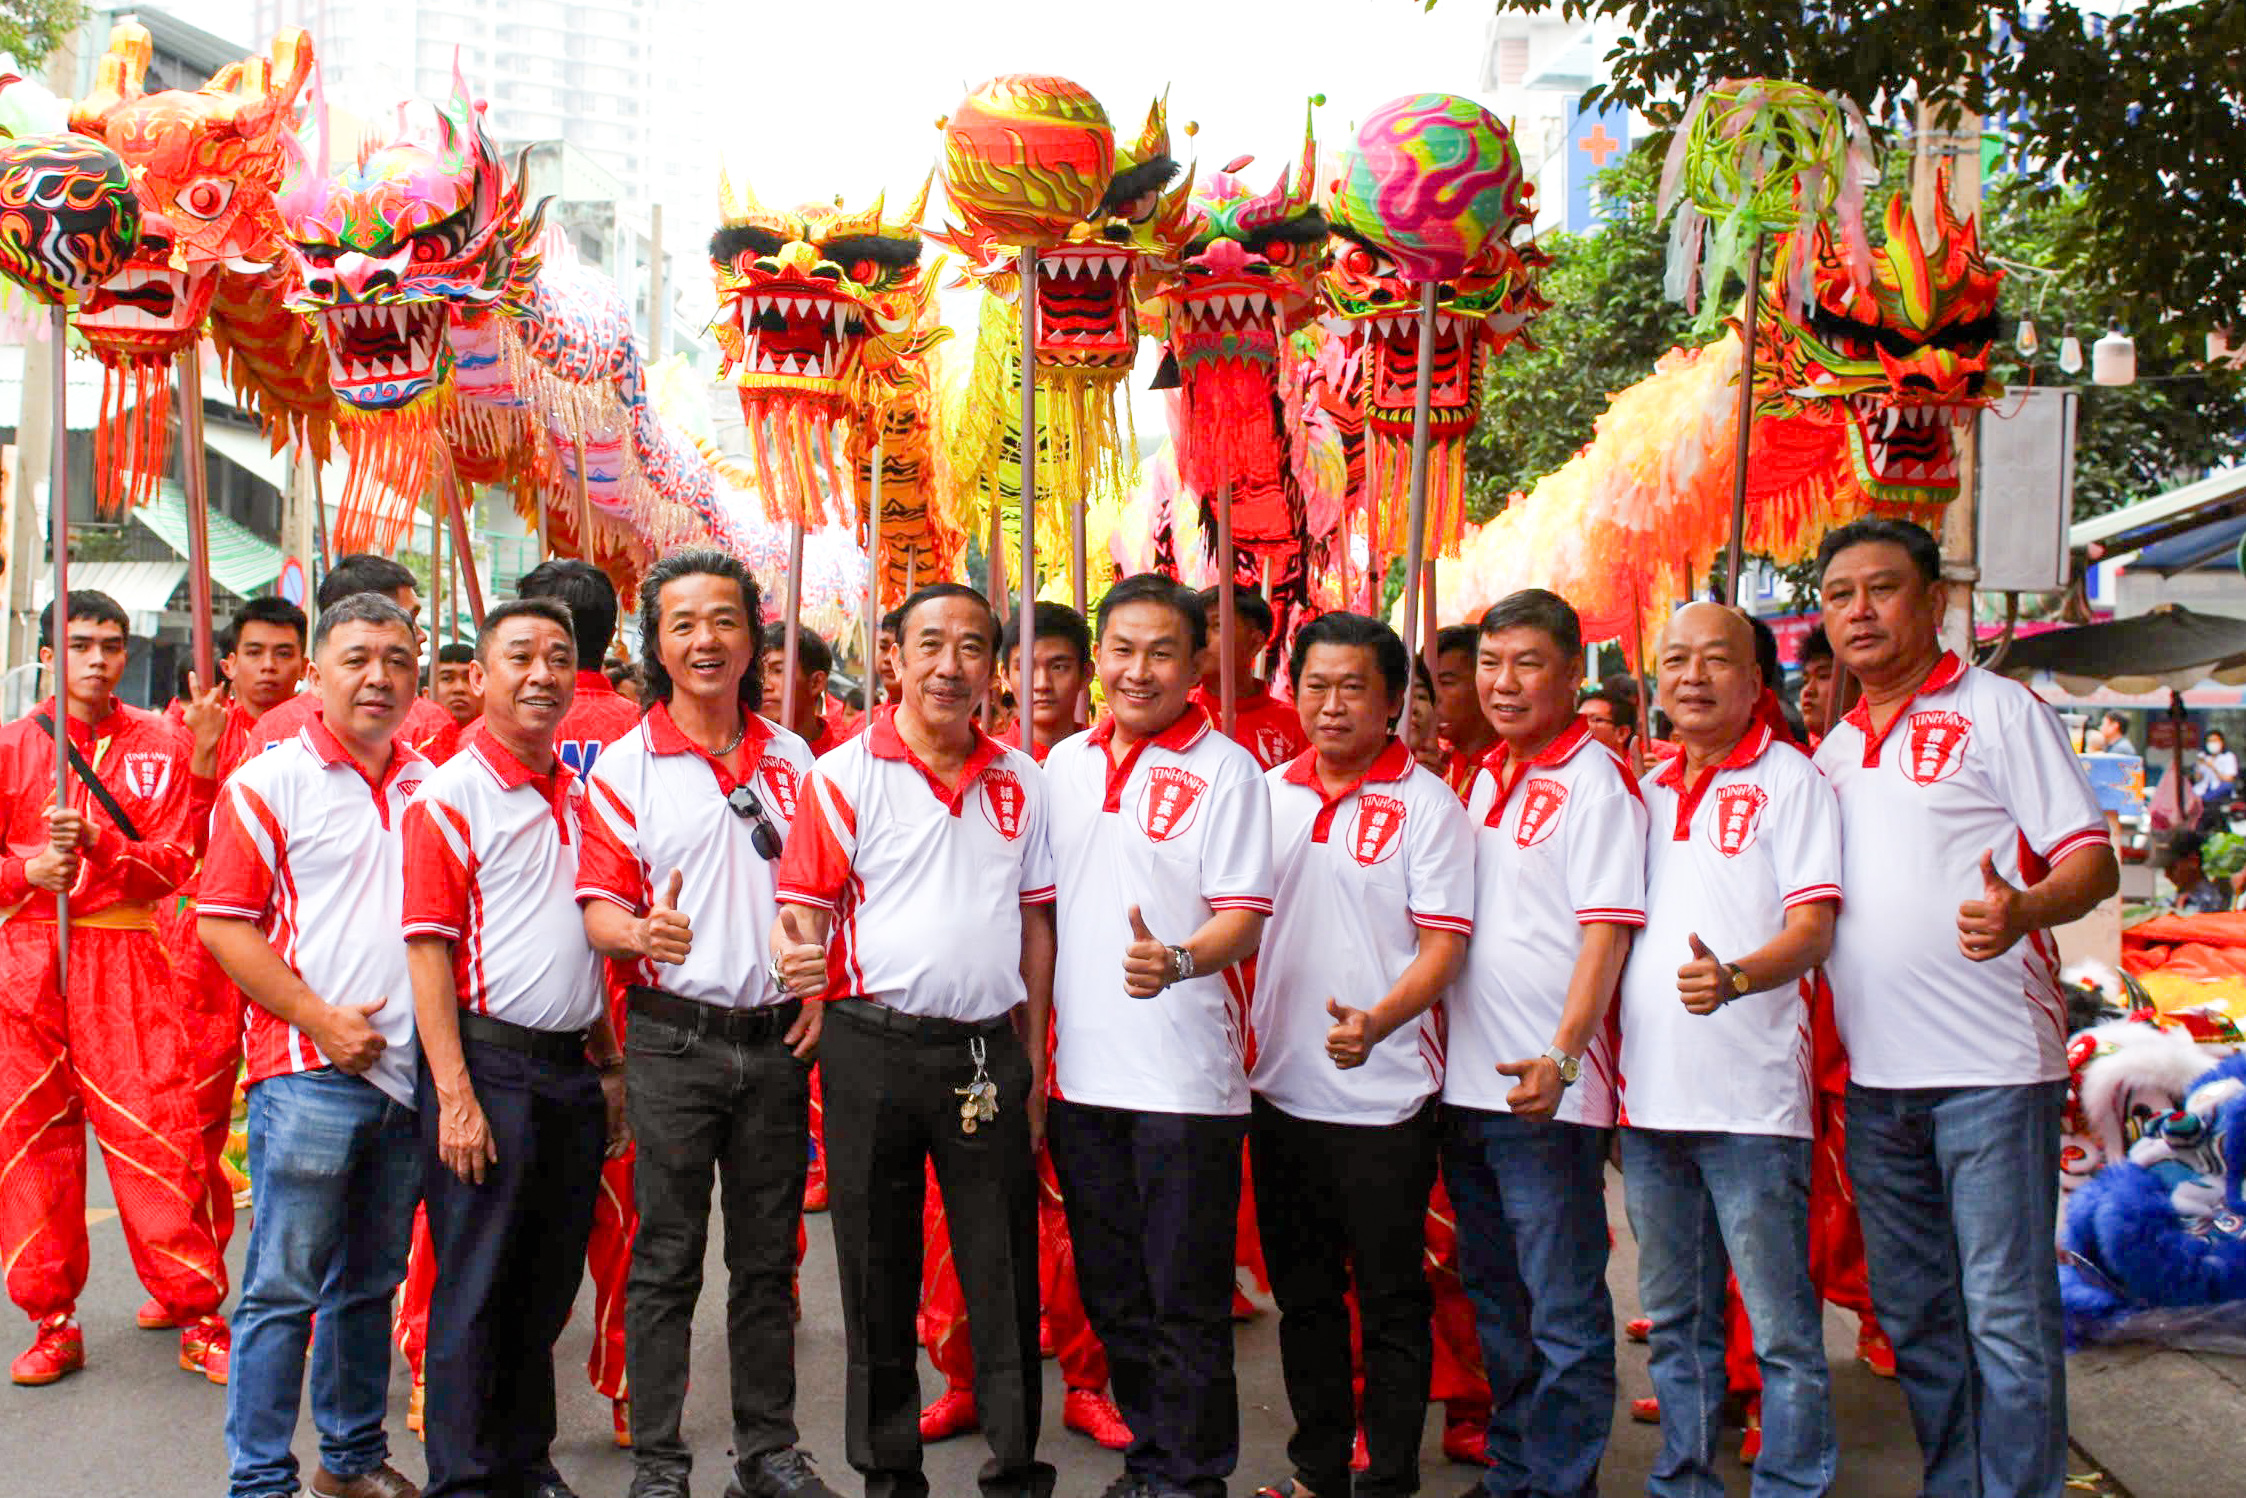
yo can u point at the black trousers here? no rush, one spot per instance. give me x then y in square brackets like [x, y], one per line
[510, 1254]
[702, 1106]
[1343, 1203]
[1153, 1207]
[892, 1106]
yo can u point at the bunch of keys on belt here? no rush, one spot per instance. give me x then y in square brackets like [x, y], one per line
[980, 1095]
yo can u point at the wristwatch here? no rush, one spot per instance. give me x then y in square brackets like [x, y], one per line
[1570, 1067]
[1736, 976]
[1181, 964]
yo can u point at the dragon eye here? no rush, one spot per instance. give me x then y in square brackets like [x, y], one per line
[864, 272]
[1279, 252]
[1357, 260]
[206, 197]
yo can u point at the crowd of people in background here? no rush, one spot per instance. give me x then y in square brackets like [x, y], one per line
[518, 969]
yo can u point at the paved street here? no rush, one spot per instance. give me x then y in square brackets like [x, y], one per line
[133, 1426]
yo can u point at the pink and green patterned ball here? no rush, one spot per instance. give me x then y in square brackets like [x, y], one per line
[1433, 178]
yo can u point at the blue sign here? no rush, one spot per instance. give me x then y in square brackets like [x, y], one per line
[1594, 143]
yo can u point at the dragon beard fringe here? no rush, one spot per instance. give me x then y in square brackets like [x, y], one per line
[391, 453]
[132, 439]
[1388, 482]
[797, 476]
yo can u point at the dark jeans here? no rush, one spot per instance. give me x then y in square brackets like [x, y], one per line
[1532, 1247]
[892, 1105]
[1337, 1204]
[510, 1254]
[701, 1107]
[1958, 1188]
[1153, 1208]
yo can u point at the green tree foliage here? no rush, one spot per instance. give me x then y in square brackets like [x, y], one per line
[31, 29]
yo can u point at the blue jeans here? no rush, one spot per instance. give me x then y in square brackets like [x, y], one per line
[1958, 1190]
[1697, 1200]
[335, 1171]
[1532, 1247]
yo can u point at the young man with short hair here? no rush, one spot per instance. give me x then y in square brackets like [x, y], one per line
[807, 717]
[1263, 725]
[1530, 1090]
[1815, 696]
[1968, 831]
[1742, 882]
[300, 891]
[1162, 849]
[104, 1044]
[1373, 879]
[521, 1085]
[1060, 663]
[1467, 735]
[917, 831]
[690, 810]
[428, 729]
[454, 658]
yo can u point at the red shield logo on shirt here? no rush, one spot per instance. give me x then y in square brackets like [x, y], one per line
[1541, 801]
[1003, 802]
[1172, 797]
[1270, 748]
[1378, 832]
[1738, 817]
[146, 775]
[780, 779]
[1934, 745]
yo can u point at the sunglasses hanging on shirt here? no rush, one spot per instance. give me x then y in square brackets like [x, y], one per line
[764, 837]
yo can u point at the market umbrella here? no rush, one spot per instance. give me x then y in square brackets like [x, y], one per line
[2171, 646]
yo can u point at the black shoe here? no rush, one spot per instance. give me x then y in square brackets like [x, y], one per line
[784, 1473]
[658, 1482]
[1129, 1485]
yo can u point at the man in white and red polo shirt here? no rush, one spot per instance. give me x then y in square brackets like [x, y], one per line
[521, 1084]
[1373, 899]
[1742, 883]
[1559, 886]
[1968, 830]
[916, 895]
[689, 810]
[1162, 849]
[299, 902]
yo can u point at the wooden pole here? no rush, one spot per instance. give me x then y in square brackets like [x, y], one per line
[655, 283]
[792, 601]
[1415, 534]
[1028, 583]
[1735, 556]
[1228, 616]
[436, 575]
[58, 633]
[464, 550]
[1079, 569]
[194, 483]
[873, 575]
[584, 504]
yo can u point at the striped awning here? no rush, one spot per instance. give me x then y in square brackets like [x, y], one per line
[241, 562]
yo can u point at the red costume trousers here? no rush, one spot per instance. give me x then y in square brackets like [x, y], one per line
[943, 1304]
[111, 1052]
[1458, 1379]
[210, 1008]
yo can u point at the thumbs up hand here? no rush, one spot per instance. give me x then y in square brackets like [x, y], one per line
[1703, 984]
[667, 935]
[1353, 1036]
[1988, 927]
[798, 958]
[1147, 964]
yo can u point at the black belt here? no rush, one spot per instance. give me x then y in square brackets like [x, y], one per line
[923, 1028]
[558, 1046]
[741, 1026]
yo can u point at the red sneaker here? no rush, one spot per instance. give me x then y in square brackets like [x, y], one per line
[1360, 1459]
[57, 1350]
[620, 1410]
[1750, 1444]
[1646, 1411]
[1244, 1309]
[1467, 1442]
[1045, 1347]
[1091, 1413]
[1873, 1349]
[152, 1317]
[204, 1346]
[815, 1189]
[1638, 1328]
[414, 1405]
[953, 1414]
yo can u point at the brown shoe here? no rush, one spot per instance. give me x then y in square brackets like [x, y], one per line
[384, 1481]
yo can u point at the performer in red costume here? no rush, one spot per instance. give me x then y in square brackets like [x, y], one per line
[263, 661]
[598, 717]
[107, 1046]
[429, 730]
[1060, 667]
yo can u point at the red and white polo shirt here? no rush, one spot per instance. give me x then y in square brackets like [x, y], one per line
[1355, 879]
[926, 883]
[659, 803]
[312, 851]
[1727, 856]
[1972, 763]
[1263, 724]
[1180, 827]
[1564, 849]
[491, 866]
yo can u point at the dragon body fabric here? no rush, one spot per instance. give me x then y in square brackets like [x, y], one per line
[449, 319]
[1031, 162]
[206, 165]
[827, 318]
[1855, 410]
